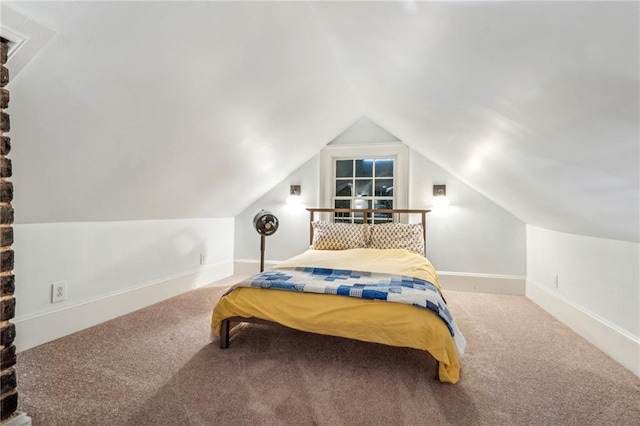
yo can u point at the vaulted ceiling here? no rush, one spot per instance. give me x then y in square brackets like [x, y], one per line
[145, 110]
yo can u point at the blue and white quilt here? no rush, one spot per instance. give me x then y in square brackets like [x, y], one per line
[365, 285]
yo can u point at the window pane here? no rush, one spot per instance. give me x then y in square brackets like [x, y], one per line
[361, 203]
[343, 204]
[384, 168]
[343, 187]
[364, 168]
[383, 217]
[344, 168]
[364, 188]
[383, 204]
[384, 188]
[342, 217]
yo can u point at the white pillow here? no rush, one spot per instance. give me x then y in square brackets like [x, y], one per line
[339, 236]
[398, 236]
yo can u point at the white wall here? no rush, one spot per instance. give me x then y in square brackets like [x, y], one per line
[292, 236]
[598, 288]
[599, 275]
[364, 131]
[253, 80]
[474, 236]
[102, 260]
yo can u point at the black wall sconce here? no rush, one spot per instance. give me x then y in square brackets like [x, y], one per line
[295, 195]
[440, 195]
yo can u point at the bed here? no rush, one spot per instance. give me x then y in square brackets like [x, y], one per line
[363, 281]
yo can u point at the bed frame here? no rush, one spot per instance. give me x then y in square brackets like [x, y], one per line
[225, 326]
[367, 214]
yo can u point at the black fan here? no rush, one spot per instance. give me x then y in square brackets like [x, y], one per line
[266, 224]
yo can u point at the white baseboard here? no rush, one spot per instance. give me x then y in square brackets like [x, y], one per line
[37, 329]
[18, 419]
[459, 281]
[251, 267]
[618, 344]
[482, 283]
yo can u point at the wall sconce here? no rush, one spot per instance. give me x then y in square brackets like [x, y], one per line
[440, 196]
[295, 196]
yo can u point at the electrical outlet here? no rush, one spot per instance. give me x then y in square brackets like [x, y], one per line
[203, 258]
[555, 280]
[58, 291]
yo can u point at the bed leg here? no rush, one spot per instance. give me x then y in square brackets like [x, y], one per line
[224, 334]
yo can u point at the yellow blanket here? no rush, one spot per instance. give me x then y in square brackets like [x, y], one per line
[393, 324]
[387, 261]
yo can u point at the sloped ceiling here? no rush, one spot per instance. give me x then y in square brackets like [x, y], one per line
[139, 110]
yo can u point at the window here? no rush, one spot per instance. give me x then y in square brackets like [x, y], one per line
[363, 183]
[367, 177]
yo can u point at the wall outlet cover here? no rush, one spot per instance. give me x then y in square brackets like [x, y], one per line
[58, 291]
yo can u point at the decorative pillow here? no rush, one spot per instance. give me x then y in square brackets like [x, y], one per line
[398, 236]
[339, 236]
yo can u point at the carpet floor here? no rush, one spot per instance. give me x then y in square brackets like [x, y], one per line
[157, 366]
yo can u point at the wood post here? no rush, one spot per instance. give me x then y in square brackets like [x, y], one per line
[8, 381]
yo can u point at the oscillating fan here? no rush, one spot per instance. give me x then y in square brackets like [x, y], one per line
[266, 224]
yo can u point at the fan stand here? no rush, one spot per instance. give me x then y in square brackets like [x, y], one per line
[262, 239]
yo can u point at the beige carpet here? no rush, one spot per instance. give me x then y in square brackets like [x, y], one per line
[157, 367]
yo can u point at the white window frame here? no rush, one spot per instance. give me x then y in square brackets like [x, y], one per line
[398, 151]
